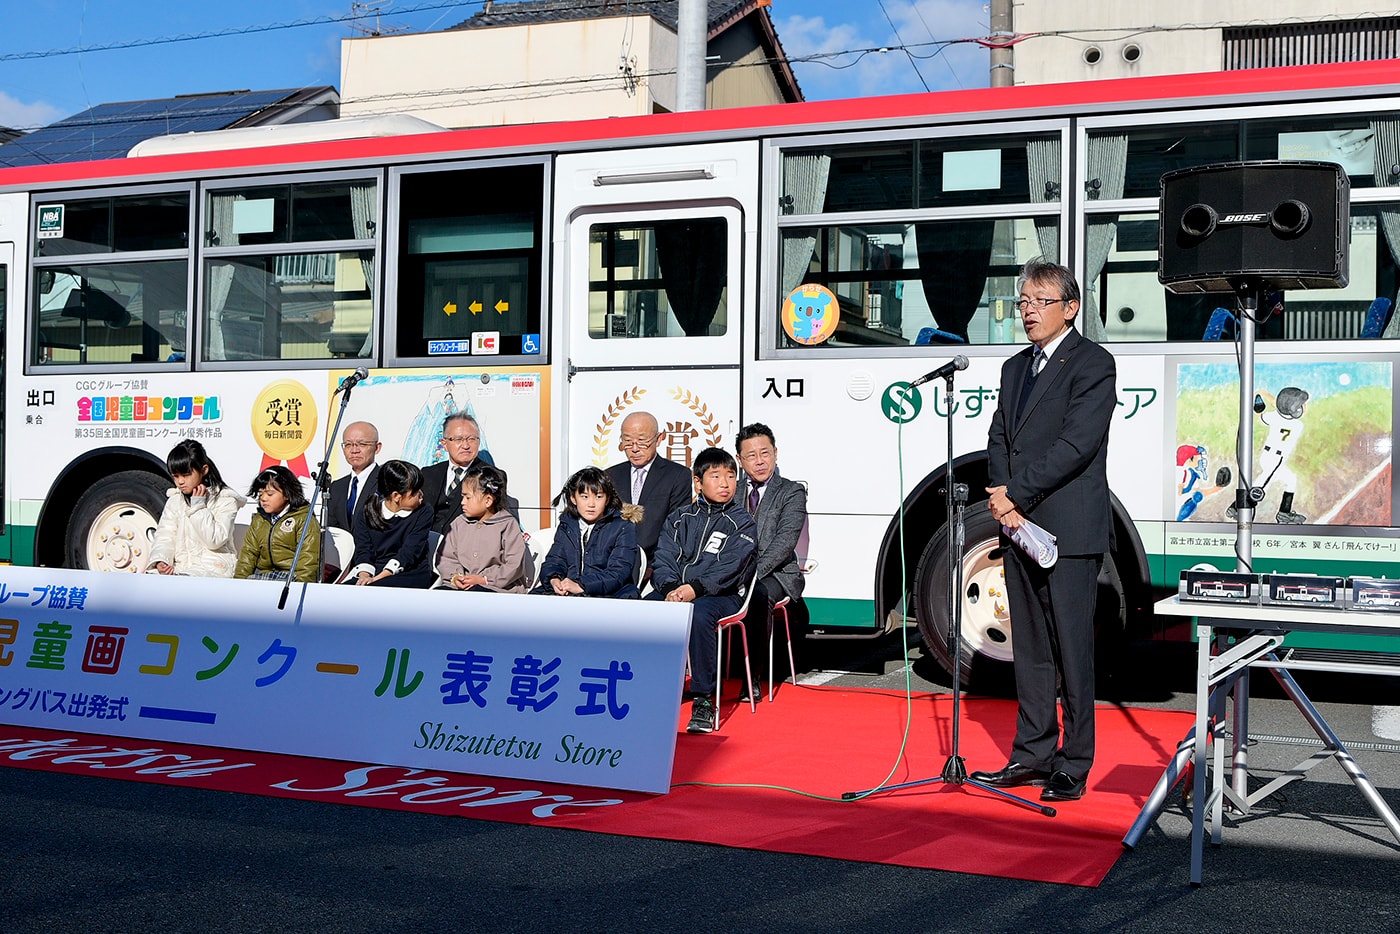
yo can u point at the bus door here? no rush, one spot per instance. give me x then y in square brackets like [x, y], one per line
[650, 296]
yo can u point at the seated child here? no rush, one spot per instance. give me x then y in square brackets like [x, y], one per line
[595, 547]
[195, 534]
[484, 548]
[391, 531]
[705, 557]
[273, 535]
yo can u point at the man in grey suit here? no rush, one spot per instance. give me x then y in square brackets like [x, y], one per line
[779, 508]
[1047, 452]
[359, 444]
[660, 486]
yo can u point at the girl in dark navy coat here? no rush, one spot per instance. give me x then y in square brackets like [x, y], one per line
[595, 547]
[391, 543]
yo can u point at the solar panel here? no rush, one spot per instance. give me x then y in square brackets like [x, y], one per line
[108, 131]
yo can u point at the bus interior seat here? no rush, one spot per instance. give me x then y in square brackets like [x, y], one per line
[1215, 328]
[936, 336]
[1376, 317]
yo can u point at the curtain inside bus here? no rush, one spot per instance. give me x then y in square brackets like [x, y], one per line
[1385, 160]
[692, 257]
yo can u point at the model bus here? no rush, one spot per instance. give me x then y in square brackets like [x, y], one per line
[797, 265]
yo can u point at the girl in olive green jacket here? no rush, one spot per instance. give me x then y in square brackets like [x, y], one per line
[272, 537]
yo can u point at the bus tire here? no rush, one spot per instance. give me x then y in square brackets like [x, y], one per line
[114, 522]
[986, 619]
[987, 650]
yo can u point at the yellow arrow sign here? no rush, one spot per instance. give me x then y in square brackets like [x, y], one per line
[450, 308]
[502, 307]
[475, 308]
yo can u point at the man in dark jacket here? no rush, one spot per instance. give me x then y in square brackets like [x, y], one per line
[705, 557]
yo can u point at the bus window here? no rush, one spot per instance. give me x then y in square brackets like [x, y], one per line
[263, 298]
[666, 278]
[110, 313]
[470, 260]
[1124, 298]
[111, 279]
[932, 282]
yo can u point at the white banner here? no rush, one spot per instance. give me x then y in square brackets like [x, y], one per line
[573, 690]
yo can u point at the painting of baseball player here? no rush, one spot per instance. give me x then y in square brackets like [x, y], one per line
[1283, 416]
[1192, 468]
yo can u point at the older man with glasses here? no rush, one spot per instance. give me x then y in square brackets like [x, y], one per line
[442, 482]
[660, 486]
[359, 445]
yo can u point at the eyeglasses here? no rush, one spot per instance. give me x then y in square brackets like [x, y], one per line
[761, 454]
[1041, 303]
[637, 444]
[464, 439]
[347, 445]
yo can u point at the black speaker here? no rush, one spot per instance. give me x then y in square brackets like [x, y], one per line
[1276, 225]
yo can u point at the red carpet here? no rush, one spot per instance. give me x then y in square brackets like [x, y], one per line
[819, 741]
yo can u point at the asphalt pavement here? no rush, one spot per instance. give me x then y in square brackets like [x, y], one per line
[98, 855]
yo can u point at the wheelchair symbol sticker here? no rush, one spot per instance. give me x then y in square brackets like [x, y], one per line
[530, 343]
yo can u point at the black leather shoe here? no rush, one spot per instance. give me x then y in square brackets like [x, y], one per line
[1063, 788]
[1013, 776]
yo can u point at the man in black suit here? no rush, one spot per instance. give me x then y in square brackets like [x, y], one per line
[359, 445]
[779, 508]
[442, 482]
[658, 485]
[1047, 452]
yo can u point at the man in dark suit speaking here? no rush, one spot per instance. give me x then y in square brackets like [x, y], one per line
[1047, 452]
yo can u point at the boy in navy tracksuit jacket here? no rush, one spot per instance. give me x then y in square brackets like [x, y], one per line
[705, 557]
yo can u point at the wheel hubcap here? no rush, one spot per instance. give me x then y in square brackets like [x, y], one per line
[986, 616]
[120, 539]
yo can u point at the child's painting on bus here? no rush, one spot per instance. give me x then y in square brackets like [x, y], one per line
[1322, 438]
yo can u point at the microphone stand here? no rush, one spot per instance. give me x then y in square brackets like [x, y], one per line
[955, 768]
[322, 476]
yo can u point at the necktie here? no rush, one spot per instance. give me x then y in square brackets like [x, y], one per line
[457, 474]
[350, 500]
[639, 477]
[1031, 374]
[753, 499]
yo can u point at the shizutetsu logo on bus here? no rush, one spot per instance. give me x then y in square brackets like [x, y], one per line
[149, 409]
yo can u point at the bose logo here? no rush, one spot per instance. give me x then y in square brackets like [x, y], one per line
[1244, 219]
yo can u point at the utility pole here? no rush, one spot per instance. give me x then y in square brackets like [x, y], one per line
[1003, 66]
[692, 27]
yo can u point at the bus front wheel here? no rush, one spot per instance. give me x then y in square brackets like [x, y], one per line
[114, 522]
[986, 644]
[986, 617]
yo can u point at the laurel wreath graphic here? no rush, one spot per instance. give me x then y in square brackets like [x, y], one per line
[702, 412]
[601, 431]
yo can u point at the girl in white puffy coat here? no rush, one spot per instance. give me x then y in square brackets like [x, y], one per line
[195, 534]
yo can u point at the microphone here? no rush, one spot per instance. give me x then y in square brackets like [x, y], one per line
[948, 369]
[361, 373]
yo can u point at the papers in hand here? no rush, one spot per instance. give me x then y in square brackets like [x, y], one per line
[1034, 541]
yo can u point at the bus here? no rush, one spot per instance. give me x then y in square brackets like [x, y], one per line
[797, 265]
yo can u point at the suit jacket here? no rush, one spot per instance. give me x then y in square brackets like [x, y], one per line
[445, 508]
[1052, 455]
[340, 495]
[668, 487]
[781, 516]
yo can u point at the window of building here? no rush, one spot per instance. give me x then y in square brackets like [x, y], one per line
[470, 261]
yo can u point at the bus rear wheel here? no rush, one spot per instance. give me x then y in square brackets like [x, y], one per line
[114, 522]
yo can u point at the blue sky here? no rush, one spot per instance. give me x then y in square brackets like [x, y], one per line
[35, 91]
